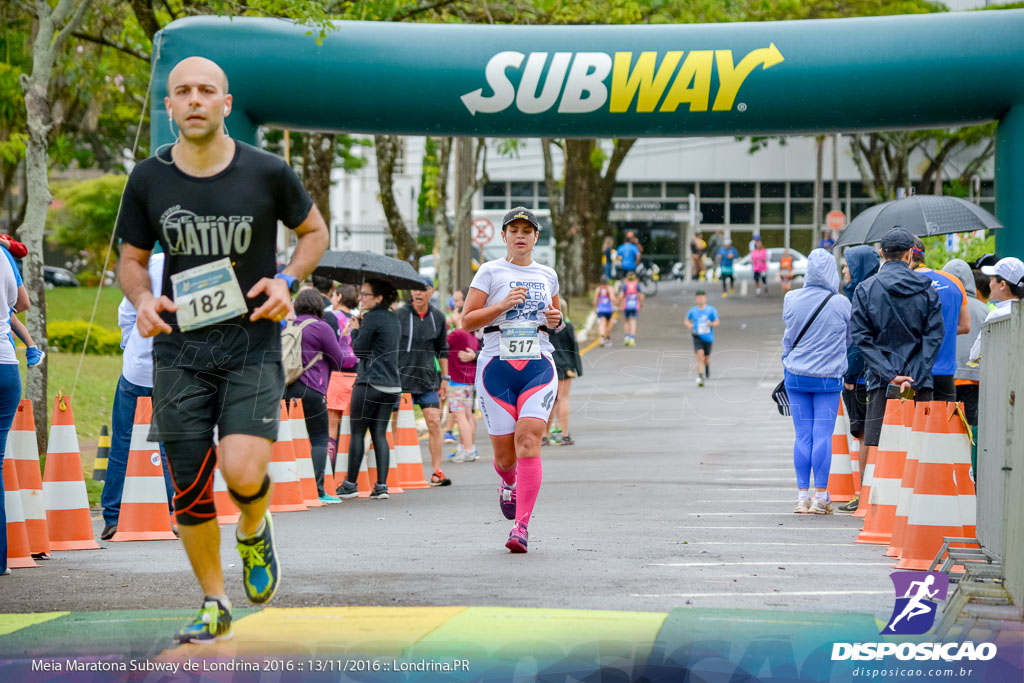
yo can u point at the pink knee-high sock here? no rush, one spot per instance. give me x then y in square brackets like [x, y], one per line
[508, 476]
[527, 488]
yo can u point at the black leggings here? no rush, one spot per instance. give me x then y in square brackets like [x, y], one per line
[732, 282]
[314, 407]
[370, 409]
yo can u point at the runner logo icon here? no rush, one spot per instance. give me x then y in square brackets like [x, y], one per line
[915, 608]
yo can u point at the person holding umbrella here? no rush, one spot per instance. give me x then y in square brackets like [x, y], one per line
[375, 340]
[515, 300]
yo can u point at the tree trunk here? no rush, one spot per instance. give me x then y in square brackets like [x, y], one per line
[54, 25]
[443, 232]
[317, 162]
[387, 153]
[819, 187]
[465, 188]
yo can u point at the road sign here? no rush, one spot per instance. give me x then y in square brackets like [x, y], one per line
[483, 231]
[835, 220]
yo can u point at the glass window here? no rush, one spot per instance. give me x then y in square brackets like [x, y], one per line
[773, 213]
[495, 190]
[802, 213]
[800, 240]
[528, 202]
[646, 189]
[494, 204]
[741, 213]
[741, 190]
[988, 188]
[989, 206]
[542, 188]
[804, 190]
[714, 212]
[621, 190]
[857, 190]
[857, 207]
[543, 204]
[679, 189]
[712, 190]
[521, 189]
[773, 190]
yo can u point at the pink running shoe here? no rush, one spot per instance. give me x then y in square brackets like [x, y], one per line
[517, 539]
[507, 500]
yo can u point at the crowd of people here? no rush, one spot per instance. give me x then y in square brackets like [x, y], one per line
[901, 330]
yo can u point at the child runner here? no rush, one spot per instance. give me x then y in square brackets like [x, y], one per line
[702, 321]
[759, 259]
[516, 302]
[786, 271]
[604, 305]
[728, 255]
[632, 300]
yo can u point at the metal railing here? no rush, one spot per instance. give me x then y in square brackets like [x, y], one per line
[1000, 477]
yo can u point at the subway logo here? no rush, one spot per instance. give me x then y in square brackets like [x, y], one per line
[576, 82]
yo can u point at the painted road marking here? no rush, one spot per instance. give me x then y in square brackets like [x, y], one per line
[719, 514]
[780, 526]
[785, 563]
[746, 543]
[770, 594]
[9, 623]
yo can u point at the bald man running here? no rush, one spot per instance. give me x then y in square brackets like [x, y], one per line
[213, 203]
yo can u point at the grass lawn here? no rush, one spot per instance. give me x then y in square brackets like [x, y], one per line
[75, 303]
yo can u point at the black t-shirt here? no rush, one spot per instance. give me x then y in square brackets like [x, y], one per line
[200, 220]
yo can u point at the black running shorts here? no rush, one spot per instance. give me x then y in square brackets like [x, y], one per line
[856, 403]
[701, 345]
[188, 403]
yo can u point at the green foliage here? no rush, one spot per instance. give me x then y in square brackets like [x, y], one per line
[427, 201]
[68, 336]
[936, 255]
[88, 215]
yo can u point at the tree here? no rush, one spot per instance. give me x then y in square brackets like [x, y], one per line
[579, 203]
[55, 24]
[84, 220]
[387, 147]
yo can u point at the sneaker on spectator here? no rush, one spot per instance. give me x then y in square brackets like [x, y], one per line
[108, 532]
[347, 490]
[380, 492]
[803, 506]
[820, 507]
[566, 441]
[851, 506]
[449, 437]
[438, 478]
[328, 499]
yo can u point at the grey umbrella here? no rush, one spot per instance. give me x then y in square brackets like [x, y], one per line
[921, 214]
[356, 266]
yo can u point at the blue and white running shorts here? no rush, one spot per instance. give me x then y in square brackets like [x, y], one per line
[512, 390]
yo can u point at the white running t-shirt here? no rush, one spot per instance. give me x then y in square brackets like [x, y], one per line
[496, 278]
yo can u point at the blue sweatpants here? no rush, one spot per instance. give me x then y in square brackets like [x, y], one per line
[10, 396]
[814, 418]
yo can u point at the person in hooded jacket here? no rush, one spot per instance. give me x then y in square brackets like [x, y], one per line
[814, 374]
[897, 324]
[861, 263]
[967, 377]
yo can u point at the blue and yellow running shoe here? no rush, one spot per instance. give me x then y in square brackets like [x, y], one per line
[261, 572]
[213, 623]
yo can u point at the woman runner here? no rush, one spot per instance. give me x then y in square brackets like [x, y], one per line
[515, 300]
[604, 303]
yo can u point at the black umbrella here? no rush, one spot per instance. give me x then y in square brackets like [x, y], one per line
[922, 214]
[356, 266]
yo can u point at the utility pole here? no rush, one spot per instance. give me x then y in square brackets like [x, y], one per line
[819, 190]
[465, 174]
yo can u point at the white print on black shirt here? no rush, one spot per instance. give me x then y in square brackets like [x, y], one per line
[186, 233]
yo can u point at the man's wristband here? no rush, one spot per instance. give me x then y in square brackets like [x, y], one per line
[290, 280]
[446, 378]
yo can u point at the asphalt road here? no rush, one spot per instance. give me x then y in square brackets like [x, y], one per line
[673, 495]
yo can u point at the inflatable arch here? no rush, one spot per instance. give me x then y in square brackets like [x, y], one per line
[798, 77]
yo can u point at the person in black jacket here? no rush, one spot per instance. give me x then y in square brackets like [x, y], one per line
[897, 325]
[375, 339]
[569, 366]
[861, 263]
[423, 362]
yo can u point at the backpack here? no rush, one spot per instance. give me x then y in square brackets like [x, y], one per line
[291, 351]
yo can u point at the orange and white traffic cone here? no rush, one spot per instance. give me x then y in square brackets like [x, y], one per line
[934, 506]
[407, 448]
[855, 463]
[393, 480]
[287, 496]
[959, 443]
[19, 556]
[840, 474]
[143, 515]
[886, 478]
[329, 485]
[227, 511]
[918, 420]
[303, 454]
[364, 484]
[67, 501]
[23, 453]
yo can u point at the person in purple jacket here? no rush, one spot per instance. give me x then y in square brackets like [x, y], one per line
[814, 371]
[311, 386]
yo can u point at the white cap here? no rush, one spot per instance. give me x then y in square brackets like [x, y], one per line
[1010, 269]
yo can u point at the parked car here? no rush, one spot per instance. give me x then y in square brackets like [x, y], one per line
[744, 269]
[59, 277]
